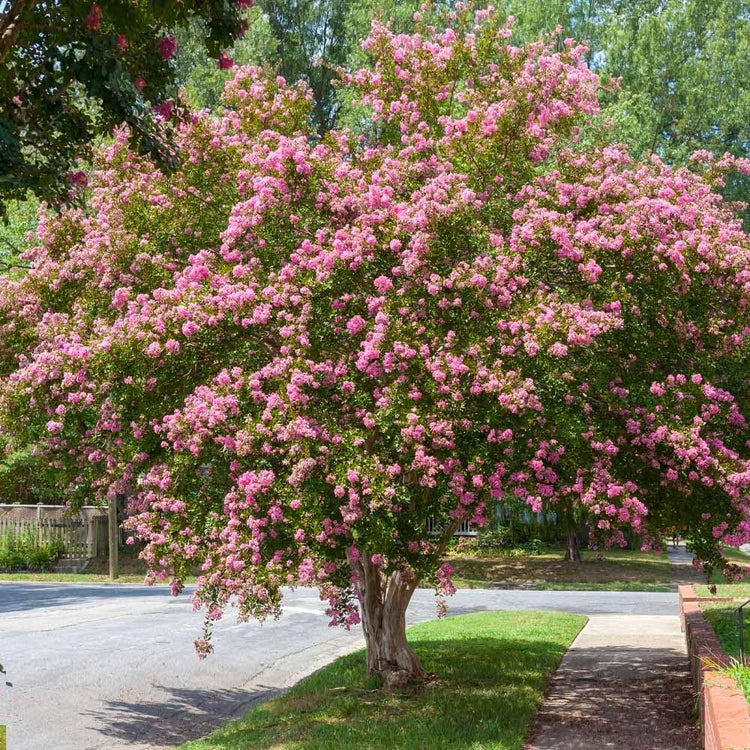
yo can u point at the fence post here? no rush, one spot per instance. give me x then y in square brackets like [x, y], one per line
[90, 535]
[114, 561]
[39, 531]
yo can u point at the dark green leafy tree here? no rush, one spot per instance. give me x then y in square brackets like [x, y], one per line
[71, 69]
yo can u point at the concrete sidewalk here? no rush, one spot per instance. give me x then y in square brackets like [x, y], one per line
[624, 684]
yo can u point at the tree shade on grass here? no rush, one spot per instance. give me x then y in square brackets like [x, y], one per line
[491, 670]
[626, 570]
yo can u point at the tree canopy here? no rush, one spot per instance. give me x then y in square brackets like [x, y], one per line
[293, 352]
[71, 70]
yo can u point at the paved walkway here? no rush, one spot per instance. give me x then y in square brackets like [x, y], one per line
[624, 684]
[682, 565]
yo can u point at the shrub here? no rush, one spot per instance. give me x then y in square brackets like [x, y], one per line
[23, 552]
[495, 540]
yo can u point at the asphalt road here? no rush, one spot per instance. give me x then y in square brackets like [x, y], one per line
[97, 667]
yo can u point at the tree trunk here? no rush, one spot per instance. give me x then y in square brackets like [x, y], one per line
[573, 550]
[383, 601]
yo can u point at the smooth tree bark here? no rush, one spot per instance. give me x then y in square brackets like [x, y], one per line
[383, 601]
[573, 547]
[12, 23]
[573, 544]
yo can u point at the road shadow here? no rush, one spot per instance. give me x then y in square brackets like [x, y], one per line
[182, 715]
[21, 597]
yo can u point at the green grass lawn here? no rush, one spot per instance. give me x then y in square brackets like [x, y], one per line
[724, 620]
[741, 589]
[738, 590]
[490, 671]
[132, 570]
[620, 570]
[69, 578]
[737, 556]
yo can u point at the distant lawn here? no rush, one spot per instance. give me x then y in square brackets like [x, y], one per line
[132, 570]
[728, 589]
[490, 672]
[725, 589]
[68, 578]
[620, 570]
[737, 556]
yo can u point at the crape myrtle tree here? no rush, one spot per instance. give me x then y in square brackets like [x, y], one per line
[292, 352]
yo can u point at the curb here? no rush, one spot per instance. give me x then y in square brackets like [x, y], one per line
[724, 710]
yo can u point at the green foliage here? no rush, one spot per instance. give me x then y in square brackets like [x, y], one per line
[21, 218]
[741, 675]
[683, 67]
[293, 35]
[198, 73]
[71, 70]
[24, 479]
[24, 552]
[501, 540]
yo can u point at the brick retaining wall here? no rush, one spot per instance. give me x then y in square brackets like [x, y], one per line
[724, 710]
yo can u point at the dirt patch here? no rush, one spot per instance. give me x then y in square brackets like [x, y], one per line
[130, 564]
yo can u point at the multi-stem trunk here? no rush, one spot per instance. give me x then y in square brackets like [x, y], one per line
[383, 601]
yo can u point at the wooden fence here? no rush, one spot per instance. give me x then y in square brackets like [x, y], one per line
[465, 529]
[78, 537]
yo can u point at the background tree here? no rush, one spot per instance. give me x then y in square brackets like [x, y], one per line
[15, 234]
[293, 351]
[199, 74]
[294, 36]
[683, 67]
[71, 70]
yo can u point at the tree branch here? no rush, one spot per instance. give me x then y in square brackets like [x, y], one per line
[12, 25]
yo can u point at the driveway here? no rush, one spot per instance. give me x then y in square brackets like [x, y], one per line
[98, 667]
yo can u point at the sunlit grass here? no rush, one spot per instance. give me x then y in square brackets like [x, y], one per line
[490, 671]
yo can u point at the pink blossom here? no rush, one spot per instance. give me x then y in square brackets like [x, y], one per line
[166, 47]
[163, 110]
[94, 18]
[224, 62]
